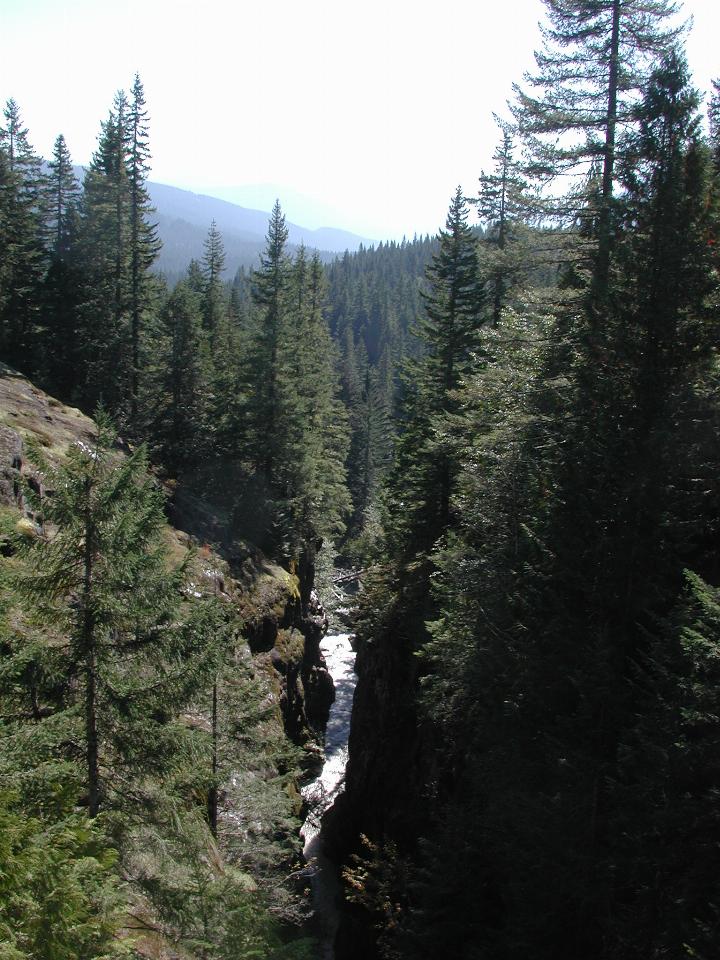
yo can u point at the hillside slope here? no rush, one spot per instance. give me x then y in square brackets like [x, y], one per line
[275, 673]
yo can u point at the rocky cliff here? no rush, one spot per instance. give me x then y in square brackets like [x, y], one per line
[393, 775]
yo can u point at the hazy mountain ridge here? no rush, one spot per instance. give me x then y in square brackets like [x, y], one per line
[183, 218]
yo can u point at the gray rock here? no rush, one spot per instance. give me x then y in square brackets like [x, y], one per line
[11, 458]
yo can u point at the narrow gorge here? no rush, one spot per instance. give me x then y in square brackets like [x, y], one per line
[321, 793]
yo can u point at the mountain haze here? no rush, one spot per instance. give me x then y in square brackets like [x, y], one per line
[183, 219]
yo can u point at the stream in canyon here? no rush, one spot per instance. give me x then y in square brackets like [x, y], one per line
[321, 792]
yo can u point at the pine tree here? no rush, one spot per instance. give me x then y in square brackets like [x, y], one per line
[99, 572]
[24, 237]
[105, 309]
[64, 192]
[596, 56]
[370, 449]
[424, 474]
[62, 279]
[180, 411]
[58, 894]
[143, 242]
[503, 204]
[420, 511]
[296, 438]
[579, 516]
[212, 266]
[316, 418]
[270, 292]
[714, 121]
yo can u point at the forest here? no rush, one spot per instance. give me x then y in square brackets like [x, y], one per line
[509, 432]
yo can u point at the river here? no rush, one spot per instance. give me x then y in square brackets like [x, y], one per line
[321, 793]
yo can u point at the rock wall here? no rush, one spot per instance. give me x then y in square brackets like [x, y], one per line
[386, 768]
[11, 454]
[393, 776]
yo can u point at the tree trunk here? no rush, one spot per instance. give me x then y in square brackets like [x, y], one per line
[212, 804]
[602, 266]
[88, 646]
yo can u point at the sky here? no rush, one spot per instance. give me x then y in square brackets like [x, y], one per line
[362, 115]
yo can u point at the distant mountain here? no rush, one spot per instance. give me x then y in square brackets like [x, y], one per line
[298, 207]
[183, 219]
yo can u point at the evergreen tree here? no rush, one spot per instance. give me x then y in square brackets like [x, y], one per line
[578, 521]
[228, 403]
[212, 266]
[180, 412]
[99, 571]
[64, 192]
[105, 310]
[714, 119]
[62, 279]
[143, 242]
[194, 277]
[24, 235]
[297, 429]
[270, 293]
[371, 448]
[4, 226]
[424, 474]
[596, 56]
[58, 896]
[420, 512]
[315, 419]
[503, 204]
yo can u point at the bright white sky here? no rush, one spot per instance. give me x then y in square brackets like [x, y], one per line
[376, 109]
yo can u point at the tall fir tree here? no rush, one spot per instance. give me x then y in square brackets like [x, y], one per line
[315, 419]
[100, 572]
[551, 672]
[503, 204]
[420, 511]
[425, 470]
[714, 122]
[181, 407]
[143, 241]
[24, 241]
[596, 58]
[104, 313]
[63, 193]
[62, 280]
[297, 430]
[371, 449]
[270, 295]
[212, 266]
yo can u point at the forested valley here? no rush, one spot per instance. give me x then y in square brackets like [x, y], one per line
[509, 433]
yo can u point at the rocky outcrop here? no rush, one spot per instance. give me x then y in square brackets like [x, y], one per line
[307, 688]
[278, 625]
[317, 682]
[11, 458]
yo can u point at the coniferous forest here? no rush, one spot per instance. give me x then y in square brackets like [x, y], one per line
[508, 433]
